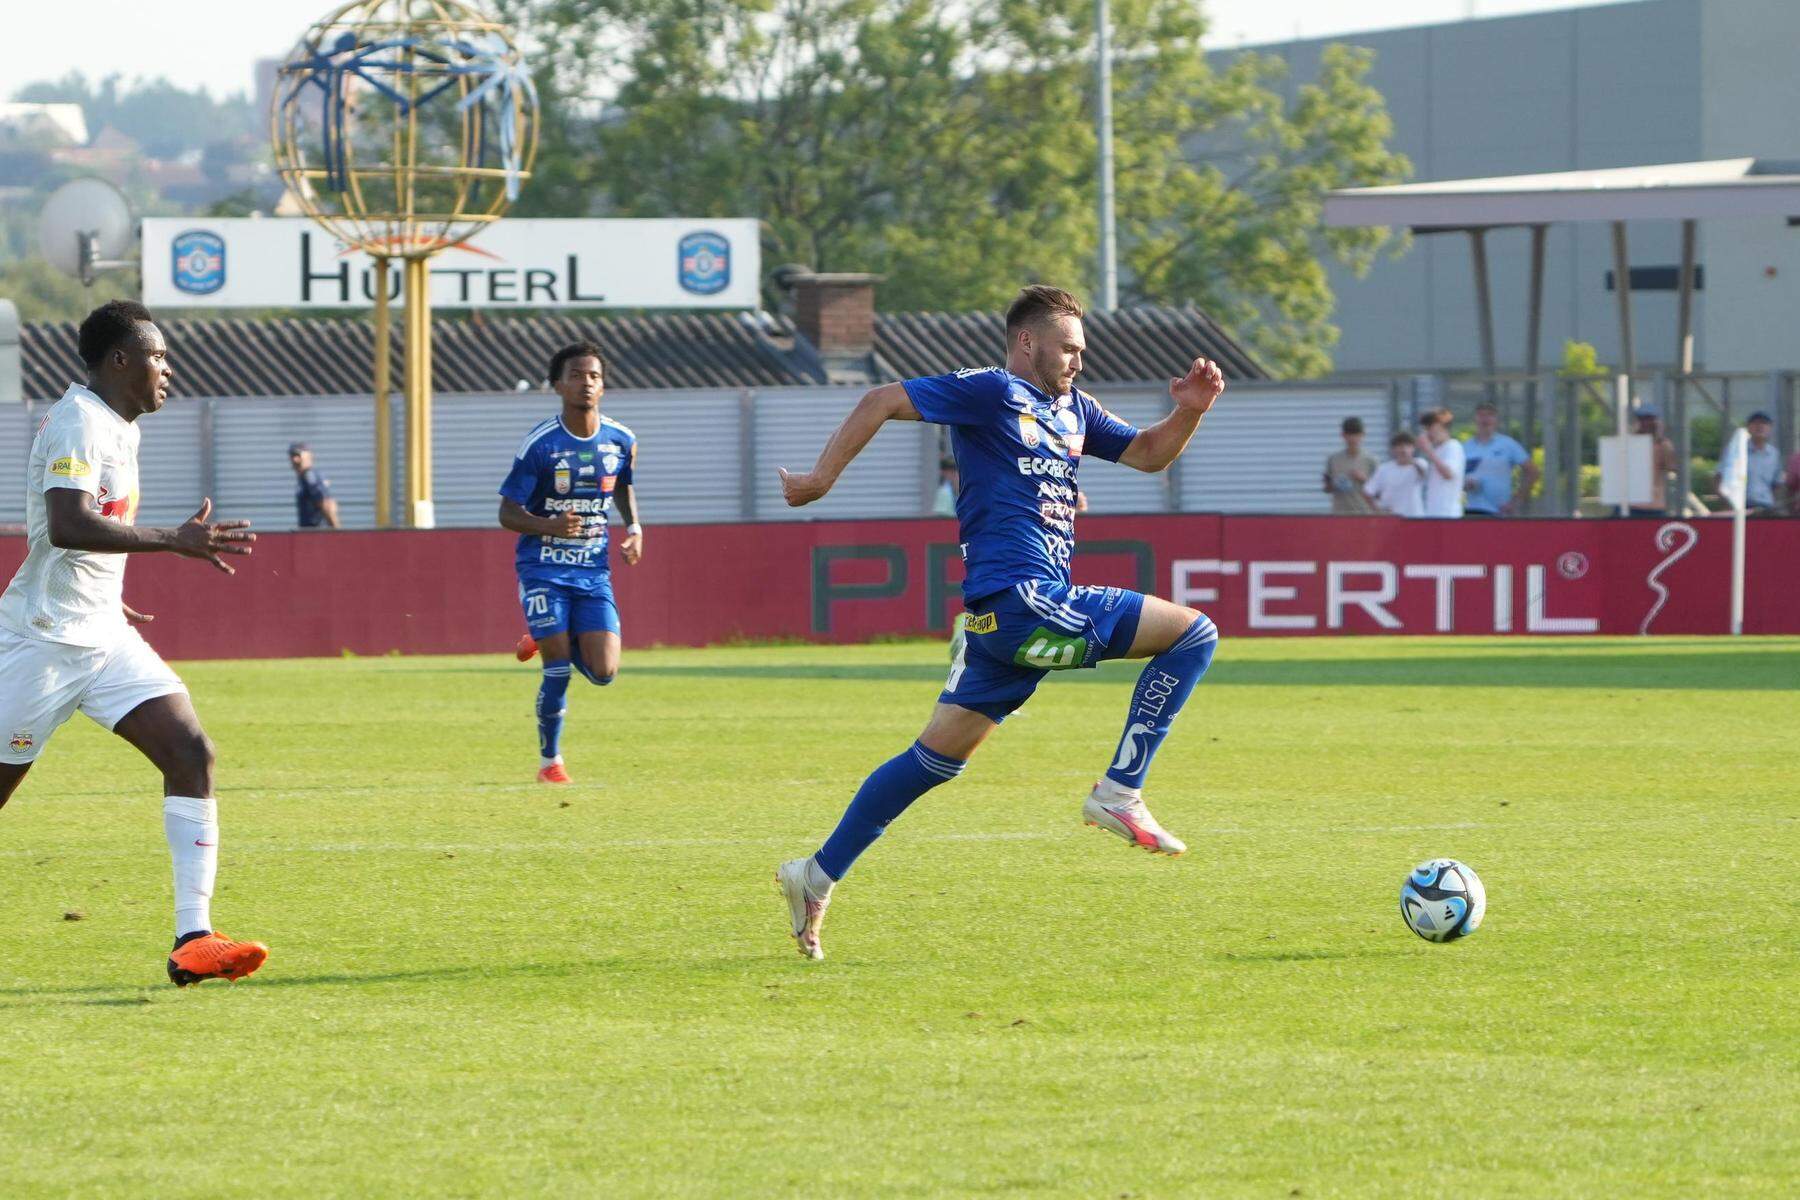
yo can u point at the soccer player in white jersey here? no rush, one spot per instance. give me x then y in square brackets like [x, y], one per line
[67, 640]
[1019, 434]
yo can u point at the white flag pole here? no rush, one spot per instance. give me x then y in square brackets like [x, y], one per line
[1734, 483]
[1737, 572]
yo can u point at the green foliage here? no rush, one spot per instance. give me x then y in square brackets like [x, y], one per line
[953, 151]
[164, 118]
[483, 987]
[42, 293]
[1580, 360]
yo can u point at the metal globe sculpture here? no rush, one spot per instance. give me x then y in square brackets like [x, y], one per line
[404, 126]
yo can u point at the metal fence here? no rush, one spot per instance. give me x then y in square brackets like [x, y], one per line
[703, 455]
[1562, 416]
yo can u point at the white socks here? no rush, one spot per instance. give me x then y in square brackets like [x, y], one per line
[191, 823]
[548, 762]
[1111, 791]
[817, 881]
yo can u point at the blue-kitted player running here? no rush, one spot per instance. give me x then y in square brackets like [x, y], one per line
[1019, 434]
[567, 471]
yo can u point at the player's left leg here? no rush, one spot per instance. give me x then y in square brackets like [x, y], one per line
[1179, 642]
[141, 700]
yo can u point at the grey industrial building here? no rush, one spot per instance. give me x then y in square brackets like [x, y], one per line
[1653, 81]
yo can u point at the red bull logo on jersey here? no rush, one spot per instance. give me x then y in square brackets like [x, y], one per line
[22, 741]
[122, 509]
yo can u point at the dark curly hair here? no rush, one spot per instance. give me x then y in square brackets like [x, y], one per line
[106, 327]
[576, 350]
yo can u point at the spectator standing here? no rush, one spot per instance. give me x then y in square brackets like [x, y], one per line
[1398, 485]
[1347, 470]
[1492, 457]
[1444, 465]
[1762, 465]
[312, 496]
[1649, 422]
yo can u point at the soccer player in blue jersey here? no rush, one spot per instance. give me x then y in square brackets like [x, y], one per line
[568, 470]
[1018, 433]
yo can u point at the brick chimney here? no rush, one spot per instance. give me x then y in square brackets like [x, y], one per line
[836, 313]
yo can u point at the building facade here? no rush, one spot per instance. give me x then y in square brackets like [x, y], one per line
[1632, 84]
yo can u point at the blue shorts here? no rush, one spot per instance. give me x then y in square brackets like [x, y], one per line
[553, 608]
[1012, 639]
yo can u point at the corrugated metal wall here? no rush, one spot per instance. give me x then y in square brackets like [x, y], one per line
[703, 455]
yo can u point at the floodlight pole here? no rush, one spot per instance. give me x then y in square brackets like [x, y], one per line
[1103, 130]
[419, 510]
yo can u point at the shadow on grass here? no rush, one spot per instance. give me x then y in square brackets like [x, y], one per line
[1773, 669]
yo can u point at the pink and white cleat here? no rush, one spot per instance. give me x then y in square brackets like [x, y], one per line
[806, 907]
[1119, 811]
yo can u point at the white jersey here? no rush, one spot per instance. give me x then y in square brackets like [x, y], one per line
[1444, 497]
[1399, 488]
[75, 596]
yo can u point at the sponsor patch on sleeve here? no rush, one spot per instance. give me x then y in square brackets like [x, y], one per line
[985, 623]
[71, 466]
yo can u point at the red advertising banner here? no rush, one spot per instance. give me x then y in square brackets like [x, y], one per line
[453, 591]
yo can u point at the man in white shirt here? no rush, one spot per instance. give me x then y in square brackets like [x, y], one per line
[66, 636]
[1762, 464]
[1443, 456]
[1398, 485]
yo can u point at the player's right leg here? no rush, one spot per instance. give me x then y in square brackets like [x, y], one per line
[546, 608]
[40, 687]
[981, 691]
[1179, 642]
[140, 699]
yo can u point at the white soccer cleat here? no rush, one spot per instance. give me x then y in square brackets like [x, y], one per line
[805, 909]
[1127, 816]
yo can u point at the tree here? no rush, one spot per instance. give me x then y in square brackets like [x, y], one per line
[951, 148]
[43, 293]
[164, 118]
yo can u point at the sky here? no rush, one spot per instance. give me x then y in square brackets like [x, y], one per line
[216, 42]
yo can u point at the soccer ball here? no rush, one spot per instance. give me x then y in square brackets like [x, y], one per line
[1442, 900]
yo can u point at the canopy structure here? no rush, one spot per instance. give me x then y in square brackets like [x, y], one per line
[1685, 192]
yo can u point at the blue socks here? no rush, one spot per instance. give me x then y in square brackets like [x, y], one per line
[884, 795]
[1163, 687]
[550, 707]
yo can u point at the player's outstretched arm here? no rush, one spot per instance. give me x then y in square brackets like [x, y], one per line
[889, 402]
[75, 524]
[1153, 449]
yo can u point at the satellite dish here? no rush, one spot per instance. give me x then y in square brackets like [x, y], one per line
[86, 224]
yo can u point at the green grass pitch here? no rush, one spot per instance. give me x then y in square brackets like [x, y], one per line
[479, 987]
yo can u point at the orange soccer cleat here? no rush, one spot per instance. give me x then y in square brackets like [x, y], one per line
[554, 773]
[213, 956]
[526, 650]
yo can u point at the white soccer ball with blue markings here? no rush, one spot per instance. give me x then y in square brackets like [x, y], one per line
[1442, 900]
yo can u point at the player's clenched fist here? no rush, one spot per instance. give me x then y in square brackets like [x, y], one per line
[197, 538]
[803, 488]
[563, 525]
[1197, 390]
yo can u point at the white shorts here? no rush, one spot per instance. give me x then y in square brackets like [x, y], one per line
[43, 683]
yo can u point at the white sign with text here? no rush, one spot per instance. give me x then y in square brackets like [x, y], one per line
[291, 262]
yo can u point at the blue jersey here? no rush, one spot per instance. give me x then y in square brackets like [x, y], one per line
[556, 472]
[1017, 451]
